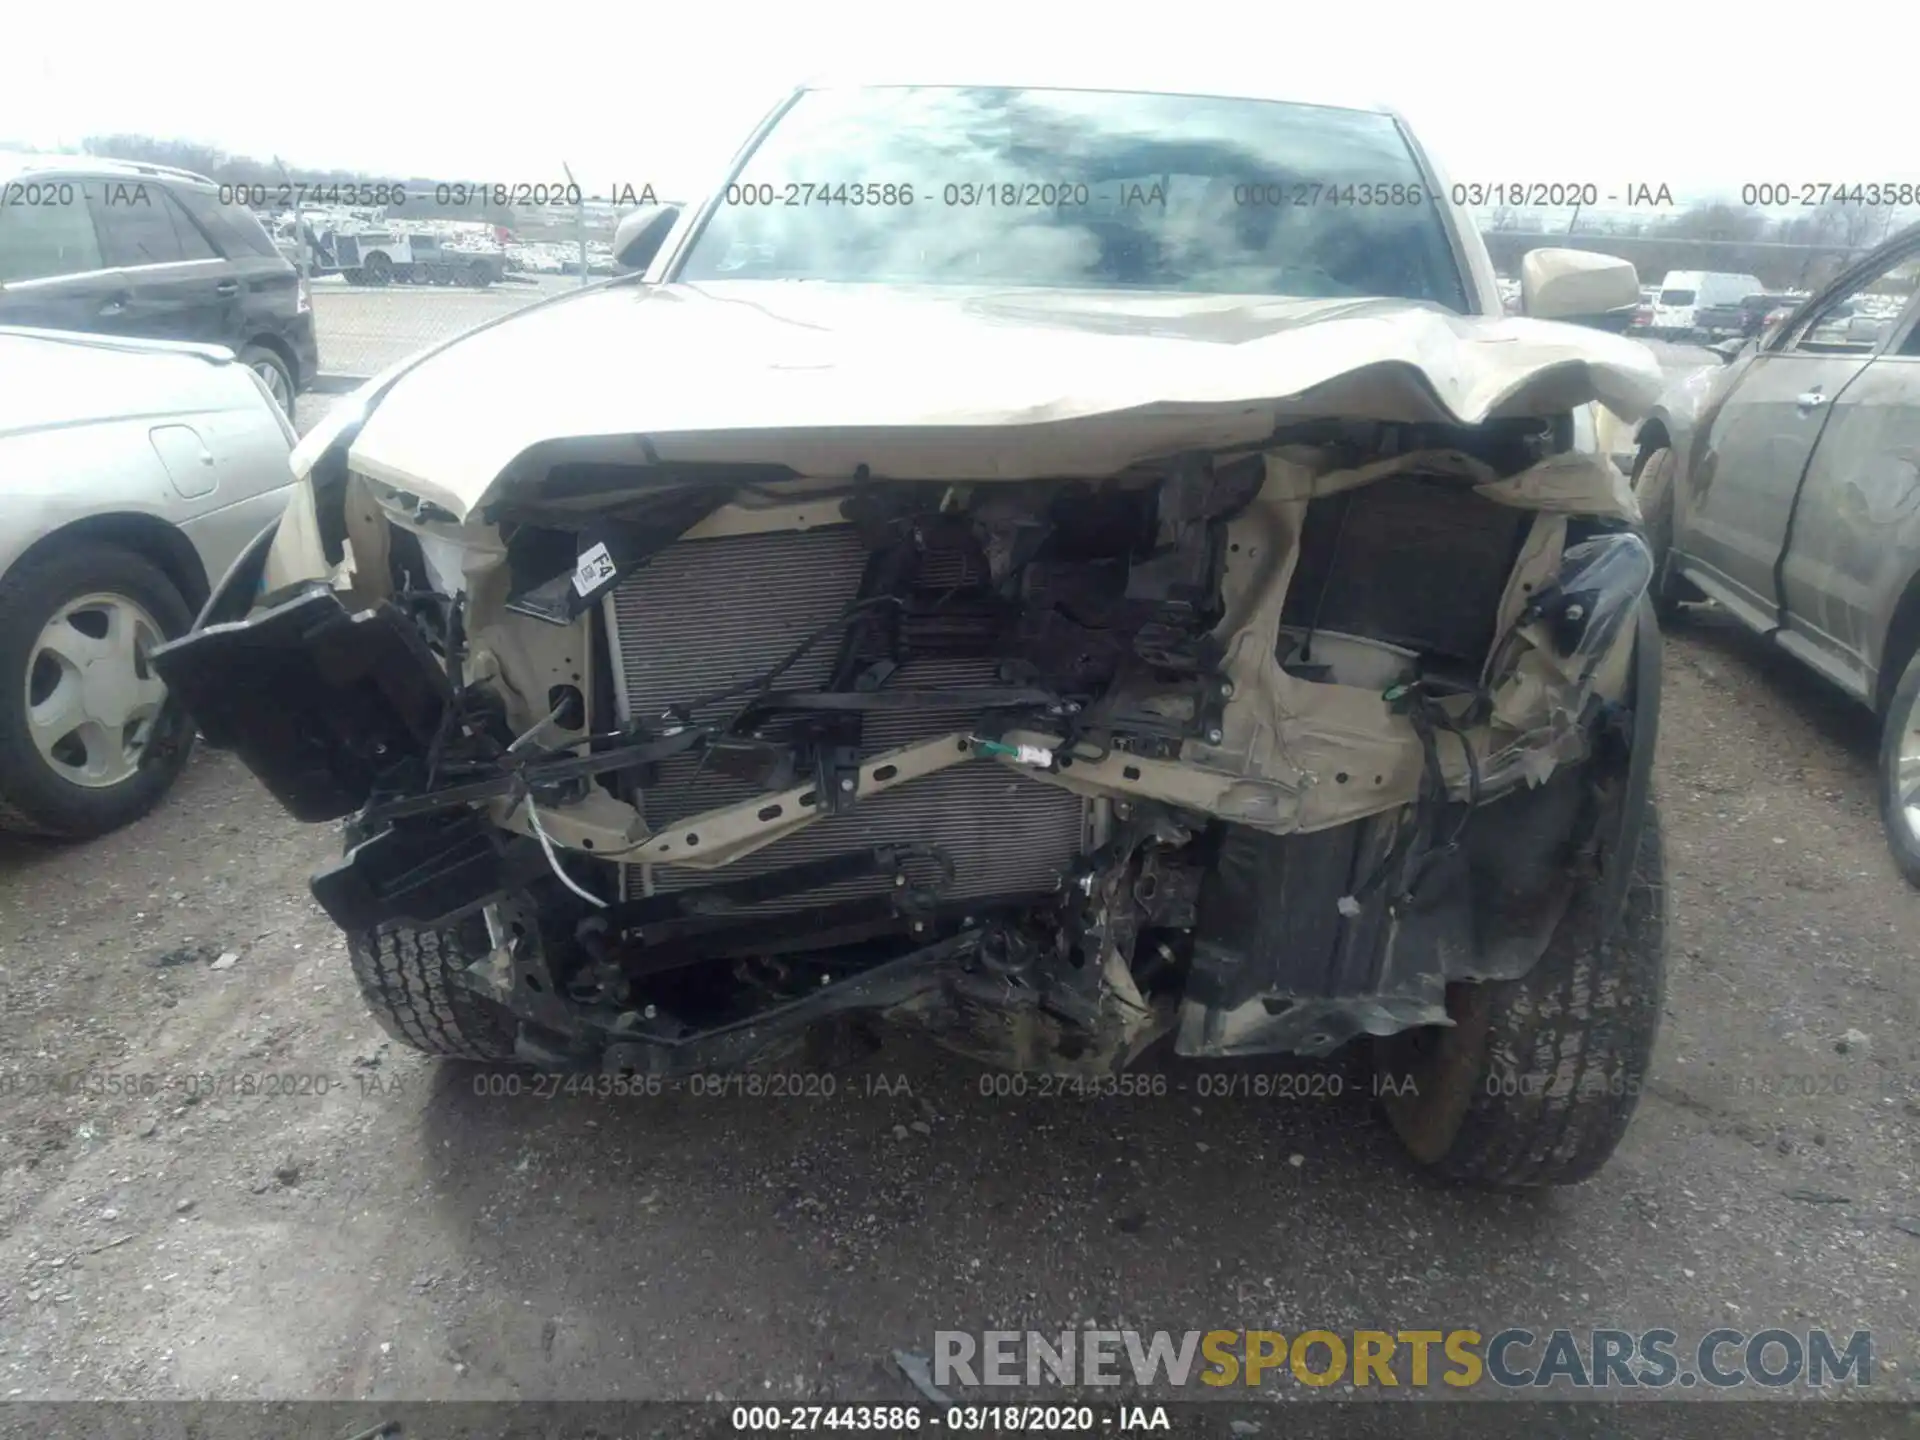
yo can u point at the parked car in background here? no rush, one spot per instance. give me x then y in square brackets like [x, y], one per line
[1643, 312]
[1741, 319]
[1718, 322]
[1757, 311]
[1685, 293]
[1784, 487]
[131, 474]
[1785, 305]
[116, 248]
[389, 254]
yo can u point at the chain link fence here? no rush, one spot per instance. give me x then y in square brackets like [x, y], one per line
[436, 259]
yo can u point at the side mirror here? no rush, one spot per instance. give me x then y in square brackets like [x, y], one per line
[1729, 350]
[638, 236]
[1579, 286]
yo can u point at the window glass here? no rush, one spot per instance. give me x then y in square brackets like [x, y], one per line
[1857, 320]
[134, 223]
[193, 245]
[233, 227]
[48, 232]
[1082, 189]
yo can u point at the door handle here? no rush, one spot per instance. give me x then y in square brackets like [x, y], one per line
[1810, 400]
[114, 305]
[227, 287]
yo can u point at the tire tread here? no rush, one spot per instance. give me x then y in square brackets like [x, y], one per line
[405, 977]
[1580, 1024]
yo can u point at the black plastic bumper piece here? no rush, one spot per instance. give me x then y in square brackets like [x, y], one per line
[320, 702]
[425, 872]
[1269, 920]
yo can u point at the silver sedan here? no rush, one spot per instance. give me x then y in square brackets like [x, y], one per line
[132, 473]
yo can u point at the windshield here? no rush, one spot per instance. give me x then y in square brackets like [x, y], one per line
[1081, 189]
[1676, 297]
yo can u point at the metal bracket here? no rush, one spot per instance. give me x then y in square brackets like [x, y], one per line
[1212, 691]
[837, 777]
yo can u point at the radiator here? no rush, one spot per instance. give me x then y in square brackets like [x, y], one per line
[707, 614]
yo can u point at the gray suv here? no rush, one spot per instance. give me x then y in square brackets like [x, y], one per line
[1784, 488]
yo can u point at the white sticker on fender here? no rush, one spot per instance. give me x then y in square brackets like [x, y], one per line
[594, 569]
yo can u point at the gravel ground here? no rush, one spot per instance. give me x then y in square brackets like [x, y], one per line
[405, 1234]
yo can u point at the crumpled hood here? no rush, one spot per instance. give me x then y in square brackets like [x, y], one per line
[947, 383]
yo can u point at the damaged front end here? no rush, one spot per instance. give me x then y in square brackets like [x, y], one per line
[1259, 745]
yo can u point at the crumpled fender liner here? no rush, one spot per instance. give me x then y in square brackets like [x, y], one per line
[1296, 950]
[425, 872]
[320, 703]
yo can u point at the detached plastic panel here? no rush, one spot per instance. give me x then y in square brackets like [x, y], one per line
[320, 702]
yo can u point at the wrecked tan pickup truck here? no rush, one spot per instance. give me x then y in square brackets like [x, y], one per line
[1160, 598]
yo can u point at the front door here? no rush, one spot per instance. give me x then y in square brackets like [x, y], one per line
[1858, 514]
[1740, 490]
[177, 287]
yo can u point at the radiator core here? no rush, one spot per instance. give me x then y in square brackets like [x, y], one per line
[707, 614]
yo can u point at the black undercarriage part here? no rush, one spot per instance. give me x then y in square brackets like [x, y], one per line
[425, 872]
[322, 704]
[1295, 948]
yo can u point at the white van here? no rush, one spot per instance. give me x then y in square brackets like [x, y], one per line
[1684, 292]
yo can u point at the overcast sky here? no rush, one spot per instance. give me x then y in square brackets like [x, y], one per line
[482, 91]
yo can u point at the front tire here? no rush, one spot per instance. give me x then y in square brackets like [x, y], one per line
[88, 740]
[1537, 1078]
[407, 979]
[1900, 772]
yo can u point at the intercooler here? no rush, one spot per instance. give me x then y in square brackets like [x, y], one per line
[706, 615]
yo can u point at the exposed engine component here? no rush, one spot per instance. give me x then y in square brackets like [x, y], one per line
[901, 751]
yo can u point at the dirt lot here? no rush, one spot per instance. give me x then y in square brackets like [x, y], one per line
[391, 1229]
[402, 1234]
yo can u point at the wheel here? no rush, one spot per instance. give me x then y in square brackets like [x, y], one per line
[379, 269]
[355, 277]
[273, 373]
[1900, 772]
[478, 275]
[1654, 486]
[1534, 1082]
[87, 742]
[406, 978]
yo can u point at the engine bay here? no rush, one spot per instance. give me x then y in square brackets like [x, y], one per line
[1049, 767]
